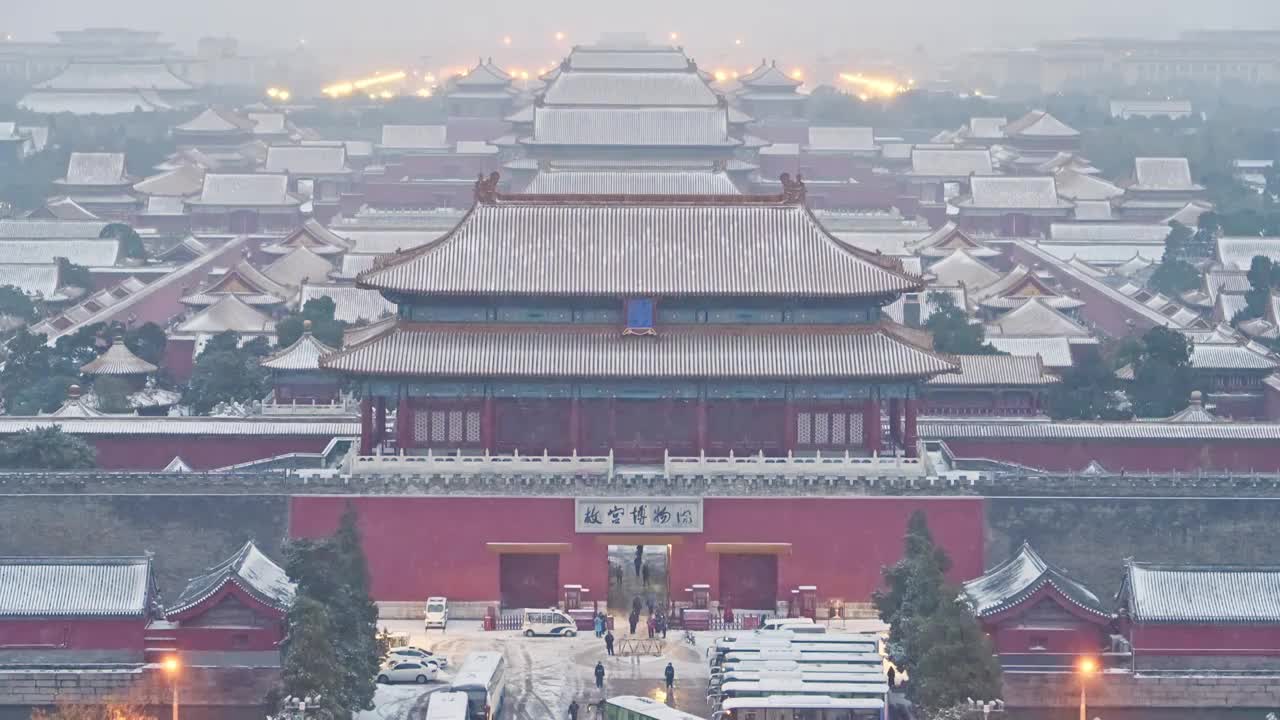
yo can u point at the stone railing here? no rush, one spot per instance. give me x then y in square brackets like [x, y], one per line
[486, 464]
[818, 465]
[343, 406]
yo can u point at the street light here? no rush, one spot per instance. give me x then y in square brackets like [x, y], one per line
[1086, 667]
[172, 666]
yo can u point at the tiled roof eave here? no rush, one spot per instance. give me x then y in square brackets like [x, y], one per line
[1045, 579]
[229, 577]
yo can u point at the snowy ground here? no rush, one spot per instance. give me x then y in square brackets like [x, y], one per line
[545, 674]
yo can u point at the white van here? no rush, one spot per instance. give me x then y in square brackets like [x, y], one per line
[548, 622]
[437, 612]
[785, 623]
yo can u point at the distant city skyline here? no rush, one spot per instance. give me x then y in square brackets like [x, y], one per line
[763, 27]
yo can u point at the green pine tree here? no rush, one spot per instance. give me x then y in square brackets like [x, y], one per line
[958, 661]
[310, 661]
[912, 590]
[46, 448]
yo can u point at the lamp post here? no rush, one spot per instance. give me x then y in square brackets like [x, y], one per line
[172, 666]
[1086, 667]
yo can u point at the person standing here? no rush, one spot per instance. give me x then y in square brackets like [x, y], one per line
[573, 710]
[599, 676]
[639, 561]
[608, 642]
[670, 675]
[893, 674]
[634, 620]
[662, 626]
[653, 625]
[599, 624]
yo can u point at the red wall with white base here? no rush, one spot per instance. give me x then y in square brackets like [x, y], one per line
[421, 546]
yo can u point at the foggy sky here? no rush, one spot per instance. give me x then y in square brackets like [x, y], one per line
[799, 29]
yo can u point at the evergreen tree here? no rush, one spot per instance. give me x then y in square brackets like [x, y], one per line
[46, 448]
[320, 312]
[309, 658]
[959, 662]
[1089, 391]
[1175, 274]
[1161, 373]
[147, 341]
[130, 242]
[912, 590]
[333, 574]
[15, 304]
[952, 330]
[227, 372]
[1263, 276]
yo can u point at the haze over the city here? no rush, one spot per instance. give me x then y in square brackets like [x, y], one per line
[766, 26]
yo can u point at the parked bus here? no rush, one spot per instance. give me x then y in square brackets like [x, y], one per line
[746, 647]
[827, 673]
[843, 657]
[770, 637]
[797, 687]
[447, 706]
[785, 666]
[482, 678]
[804, 707]
[631, 707]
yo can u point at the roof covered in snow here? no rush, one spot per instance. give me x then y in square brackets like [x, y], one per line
[64, 587]
[1201, 594]
[250, 570]
[1023, 575]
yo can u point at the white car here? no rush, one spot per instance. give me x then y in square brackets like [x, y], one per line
[409, 652]
[408, 671]
[437, 613]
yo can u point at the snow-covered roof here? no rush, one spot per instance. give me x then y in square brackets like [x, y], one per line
[118, 360]
[986, 370]
[841, 139]
[303, 354]
[48, 102]
[89, 253]
[269, 123]
[986, 128]
[1054, 352]
[180, 181]
[65, 587]
[1237, 253]
[1034, 318]
[950, 163]
[228, 313]
[307, 159]
[1020, 577]
[1202, 594]
[51, 229]
[1127, 233]
[1074, 185]
[351, 304]
[962, 268]
[243, 190]
[414, 137]
[41, 280]
[249, 569]
[81, 76]
[95, 169]
[215, 121]
[297, 266]
[1014, 193]
[1163, 174]
[1039, 123]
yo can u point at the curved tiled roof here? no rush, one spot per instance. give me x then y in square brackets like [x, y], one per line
[1202, 594]
[601, 351]
[251, 570]
[615, 245]
[303, 354]
[58, 587]
[1020, 577]
[118, 360]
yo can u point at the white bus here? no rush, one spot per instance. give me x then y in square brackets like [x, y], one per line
[631, 707]
[812, 673]
[780, 623]
[447, 706]
[797, 687]
[773, 647]
[804, 707]
[482, 678]
[803, 657]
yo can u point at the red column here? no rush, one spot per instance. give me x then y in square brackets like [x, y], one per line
[701, 414]
[871, 425]
[486, 424]
[910, 439]
[895, 419]
[575, 425]
[366, 426]
[379, 420]
[404, 424]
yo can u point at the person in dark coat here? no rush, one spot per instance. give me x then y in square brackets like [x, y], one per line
[599, 676]
[634, 620]
[893, 673]
[653, 626]
[608, 642]
[670, 675]
[573, 710]
[639, 561]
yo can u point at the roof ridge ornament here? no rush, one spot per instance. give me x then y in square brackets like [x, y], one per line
[793, 191]
[486, 189]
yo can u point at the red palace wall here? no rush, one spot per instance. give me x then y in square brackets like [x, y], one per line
[74, 634]
[200, 452]
[1205, 639]
[420, 546]
[1131, 455]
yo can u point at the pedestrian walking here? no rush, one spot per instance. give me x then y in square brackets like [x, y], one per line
[644, 574]
[639, 561]
[608, 643]
[599, 625]
[634, 620]
[893, 674]
[573, 710]
[652, 626]
[670, 675]
[599, 676]
[662, 626]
